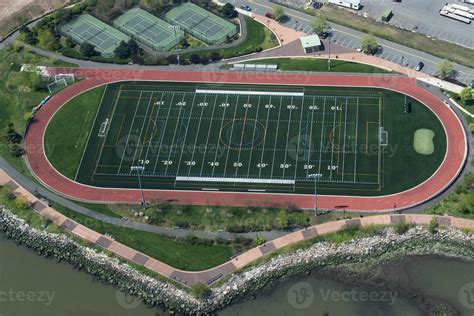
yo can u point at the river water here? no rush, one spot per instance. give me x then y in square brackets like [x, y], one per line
[34, 285]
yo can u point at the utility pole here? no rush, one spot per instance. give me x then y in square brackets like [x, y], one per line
[174, 28]
[139, 169]
[316, 177]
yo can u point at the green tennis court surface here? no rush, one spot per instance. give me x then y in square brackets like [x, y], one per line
[86, 28]
[201, 23]
[148, 29]
[255, 138]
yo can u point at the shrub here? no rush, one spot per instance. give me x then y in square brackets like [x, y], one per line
[260, 240]
[21, 202]
[401, 227]
[200, 290]
[433, 225]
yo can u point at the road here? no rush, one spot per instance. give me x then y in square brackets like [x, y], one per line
[350, 38]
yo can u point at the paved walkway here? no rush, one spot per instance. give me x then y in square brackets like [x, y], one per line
[441, 179]
[210, 276]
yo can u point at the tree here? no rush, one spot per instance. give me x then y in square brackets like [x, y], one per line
[47, 40]
[368, 43]
[466, 94]
[215, 56]
[318, 25]
[445, 69]
[278, 13]
[88, 50]
[133, 48]
[200, 290]
[195, 59]
[121, 51]
[172, 59]
[229, 11]
[28, 36]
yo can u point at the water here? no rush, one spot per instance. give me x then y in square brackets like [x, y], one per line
[34, 285]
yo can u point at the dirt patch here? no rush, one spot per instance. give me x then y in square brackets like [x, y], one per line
[14, 13]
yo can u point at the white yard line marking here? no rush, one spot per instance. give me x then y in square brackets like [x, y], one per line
[156, 117]
[220, 135]
[287, 139]
[344, 143]
[299, 139]
[230, 137]
[242, 137]
[197, 135]
[141, 131]
[164, 132]
[310, 139]
[276, 137]
[253, 136]
[322, 133]
[208, 134]
[129, 132]
[181, 107]
[185, 135]
[265, 138]
[356, 147]
[334, 138]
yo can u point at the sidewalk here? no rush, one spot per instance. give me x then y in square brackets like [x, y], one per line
[189, 278]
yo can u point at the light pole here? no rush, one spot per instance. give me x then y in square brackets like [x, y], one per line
[328, 31]
[139, 170]
[316, 177]
[174, 28]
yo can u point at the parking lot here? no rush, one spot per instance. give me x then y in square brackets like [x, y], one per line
[350, 38]
[423, 16]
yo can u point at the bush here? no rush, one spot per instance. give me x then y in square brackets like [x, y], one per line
[195, 59]
[260, 240]
[215, 56]
[433, 225]
[21, 202]
[401, 227]
[200, 290]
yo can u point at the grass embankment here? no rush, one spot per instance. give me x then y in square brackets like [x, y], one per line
[440, 48]
[72, 122]
[258, 38]
[460, 203]
[318, 65]
[19, 93]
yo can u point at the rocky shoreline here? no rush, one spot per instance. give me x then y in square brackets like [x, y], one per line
[369, 250]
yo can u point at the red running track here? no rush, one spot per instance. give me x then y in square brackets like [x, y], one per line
[448, 171]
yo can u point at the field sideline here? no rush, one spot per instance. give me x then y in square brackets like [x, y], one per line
[441, 178]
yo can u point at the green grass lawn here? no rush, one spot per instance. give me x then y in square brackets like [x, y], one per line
[179, 254]
[460, 203]
[318, 65]
[258, 37]
[67, 133]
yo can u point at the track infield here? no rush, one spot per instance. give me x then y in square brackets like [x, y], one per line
[258, 137]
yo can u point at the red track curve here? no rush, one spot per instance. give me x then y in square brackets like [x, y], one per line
[50, 177]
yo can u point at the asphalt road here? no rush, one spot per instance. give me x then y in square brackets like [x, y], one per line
[350, 38]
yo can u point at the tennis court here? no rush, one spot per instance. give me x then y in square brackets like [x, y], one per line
[148, 29]
[237, 138]
[201, 23]
[88, 29]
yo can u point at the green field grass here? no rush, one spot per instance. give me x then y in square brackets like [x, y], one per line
[318, 65]
[66, 135]
[189, 140]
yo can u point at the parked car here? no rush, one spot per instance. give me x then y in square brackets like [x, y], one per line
[472, 84]
[419, 66]
[359, 49]
[270, 16]
[245, 7]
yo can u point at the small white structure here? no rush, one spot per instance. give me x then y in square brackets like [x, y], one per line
[310, 43]
[351, 4]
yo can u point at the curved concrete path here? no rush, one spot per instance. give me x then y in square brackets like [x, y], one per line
[190, 278]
